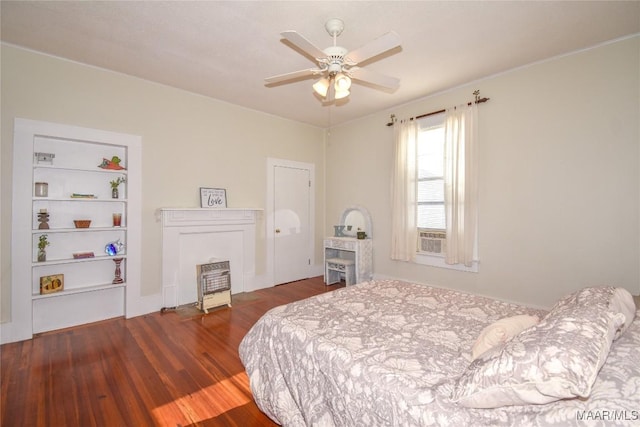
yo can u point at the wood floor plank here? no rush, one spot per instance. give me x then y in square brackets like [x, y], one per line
[177, 368]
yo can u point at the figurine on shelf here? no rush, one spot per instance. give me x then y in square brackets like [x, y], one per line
[113, 164]
[114, 186]
[42, 244]
[114, 248]
[43, 219]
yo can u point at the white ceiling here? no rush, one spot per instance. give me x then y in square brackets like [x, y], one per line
[224, 49]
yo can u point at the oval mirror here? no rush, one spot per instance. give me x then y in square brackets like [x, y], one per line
[356, 218]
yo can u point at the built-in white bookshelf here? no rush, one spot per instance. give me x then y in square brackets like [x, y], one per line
[77, 165]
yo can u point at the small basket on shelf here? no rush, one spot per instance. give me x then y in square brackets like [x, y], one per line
[82, 223]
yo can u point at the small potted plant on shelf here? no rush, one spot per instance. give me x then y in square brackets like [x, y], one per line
[42, 244]
[114, 186]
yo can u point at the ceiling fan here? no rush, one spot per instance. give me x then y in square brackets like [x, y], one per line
[337, 65]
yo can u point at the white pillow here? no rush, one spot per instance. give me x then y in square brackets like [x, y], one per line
[616, 300]
[501, 331]
[559, 358]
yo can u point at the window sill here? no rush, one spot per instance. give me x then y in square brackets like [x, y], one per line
[438, 261]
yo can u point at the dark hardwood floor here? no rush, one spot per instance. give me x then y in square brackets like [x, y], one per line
[177, 368]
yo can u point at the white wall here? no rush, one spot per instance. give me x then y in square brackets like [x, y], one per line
[560, 160]
[188, 141]
[559, 177]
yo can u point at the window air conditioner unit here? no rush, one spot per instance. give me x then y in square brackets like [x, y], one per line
[432, 241]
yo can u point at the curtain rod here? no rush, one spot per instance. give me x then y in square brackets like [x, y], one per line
[478, 100]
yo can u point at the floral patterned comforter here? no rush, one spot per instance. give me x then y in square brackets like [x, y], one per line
[388, 353]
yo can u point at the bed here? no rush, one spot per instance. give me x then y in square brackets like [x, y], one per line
[392, 353]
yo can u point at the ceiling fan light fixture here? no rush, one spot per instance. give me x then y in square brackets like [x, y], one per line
[321, 87]
[343, 82]
[340, 93]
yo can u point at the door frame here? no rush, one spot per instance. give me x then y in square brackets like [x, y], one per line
[272, 163]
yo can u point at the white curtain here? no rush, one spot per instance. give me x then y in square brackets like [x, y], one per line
[404, 231]
[461, 183]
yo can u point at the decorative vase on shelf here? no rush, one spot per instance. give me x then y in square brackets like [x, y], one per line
[114, 186]
[43, 242]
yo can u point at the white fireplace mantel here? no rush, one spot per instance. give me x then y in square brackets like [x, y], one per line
[192, 236]
[179, 217]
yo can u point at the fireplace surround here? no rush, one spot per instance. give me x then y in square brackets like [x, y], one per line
[193, 236]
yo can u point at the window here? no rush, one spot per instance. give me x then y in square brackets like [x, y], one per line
[430, 171]
[430, 216]
[427, 153]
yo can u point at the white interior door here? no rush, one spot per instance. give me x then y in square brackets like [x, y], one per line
[292, 223]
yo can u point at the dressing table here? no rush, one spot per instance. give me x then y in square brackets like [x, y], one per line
[346, 255]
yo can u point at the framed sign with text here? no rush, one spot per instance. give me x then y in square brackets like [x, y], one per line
[213, 197]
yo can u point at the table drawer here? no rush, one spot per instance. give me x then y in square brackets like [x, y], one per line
[340, 244]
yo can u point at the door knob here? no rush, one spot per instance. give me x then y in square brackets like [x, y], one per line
[277, 230]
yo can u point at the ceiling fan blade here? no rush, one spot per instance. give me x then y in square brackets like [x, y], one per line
[376, 47]
[293, 75]
[374, 78]
[302, 43]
